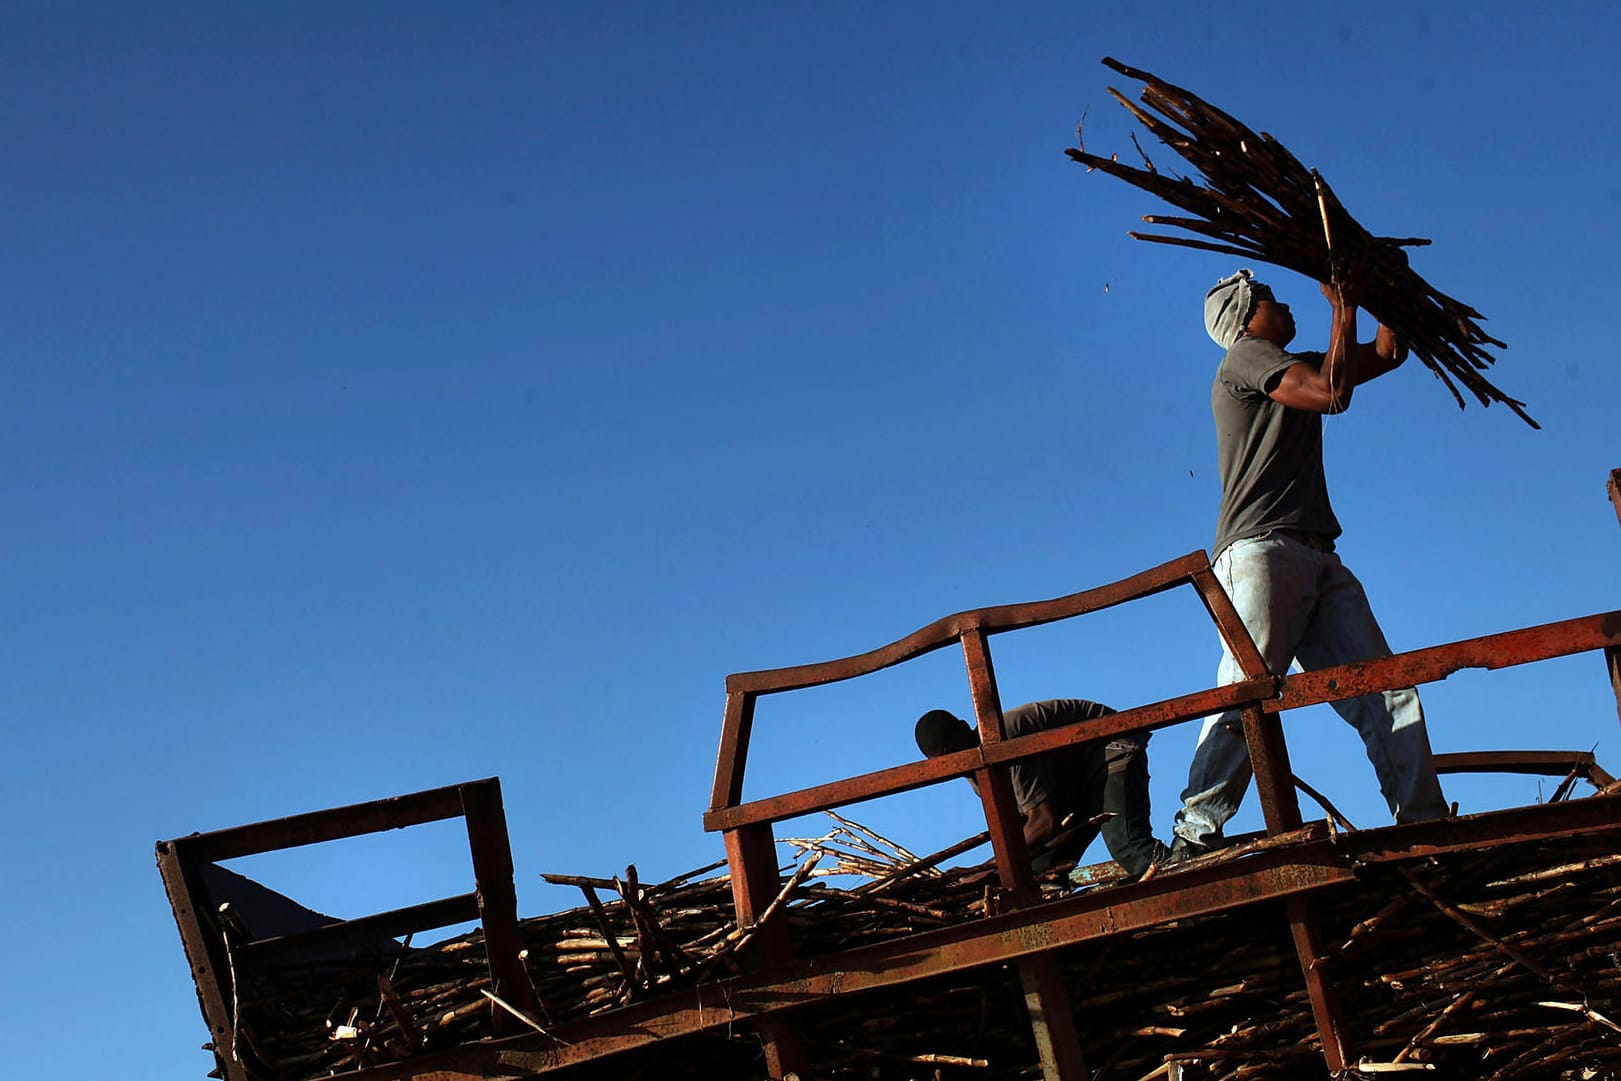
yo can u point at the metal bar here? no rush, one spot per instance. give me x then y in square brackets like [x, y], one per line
[1437, 662]
[423, 917]
[943, 632]
[497, 901]
[733, 757]
[315, 827]
[993, 782]
[904, 778]
[1280, 808]
[1612, 655]
[1052, 1019]
[1274, 779]
[205, 953]
[1229, 624]
[1325, 1010]
[1612, 659]
[1052, 1022]
[884, 782]
[1538, 763]
[751, 855]
[1155, 715]
[1517, 825]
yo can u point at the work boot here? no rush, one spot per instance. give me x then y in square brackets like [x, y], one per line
[1183, 850]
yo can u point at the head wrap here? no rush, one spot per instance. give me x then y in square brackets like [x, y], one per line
[940, 732]
[1229, 305]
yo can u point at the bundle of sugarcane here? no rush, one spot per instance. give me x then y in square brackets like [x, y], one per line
[1258, 202]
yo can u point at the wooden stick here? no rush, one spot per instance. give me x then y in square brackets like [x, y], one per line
[519, 1014]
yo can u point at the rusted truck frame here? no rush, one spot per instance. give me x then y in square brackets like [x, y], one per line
[1293, 862]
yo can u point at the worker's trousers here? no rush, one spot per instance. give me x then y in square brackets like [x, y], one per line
[1299, 602]
[1114, 786]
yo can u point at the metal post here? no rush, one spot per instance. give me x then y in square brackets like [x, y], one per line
[1274, 783]
[1612, 654]
[1280, 807]
[1325, 1009]
[1269, 756]
[994, 783]
[1052, 1021]
[1058, 1041]
[205, 951]
[491, 850]
[1612, 657]
[1229, 625]
[1274, 780]
[735, 730]
[751, 855]
[1614, 489]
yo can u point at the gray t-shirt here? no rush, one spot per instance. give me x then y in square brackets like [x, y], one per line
[1270, 456]
[1061, 775]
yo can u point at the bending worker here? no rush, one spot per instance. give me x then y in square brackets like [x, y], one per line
[1062, 792]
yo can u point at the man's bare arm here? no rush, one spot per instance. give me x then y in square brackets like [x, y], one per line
[1347, 363]
[1040, 824]
[1384, 354]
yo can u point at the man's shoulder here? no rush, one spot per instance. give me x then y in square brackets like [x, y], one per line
[1252, 350]
[1252, 363]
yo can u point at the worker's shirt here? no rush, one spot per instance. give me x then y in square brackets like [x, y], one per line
[1064, 777]
[1270, 456]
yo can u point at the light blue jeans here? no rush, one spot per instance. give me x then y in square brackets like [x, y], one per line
[1301, 603]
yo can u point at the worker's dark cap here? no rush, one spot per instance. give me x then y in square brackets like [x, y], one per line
[940, 732]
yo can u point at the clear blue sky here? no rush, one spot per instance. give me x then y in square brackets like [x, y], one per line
[400, 394]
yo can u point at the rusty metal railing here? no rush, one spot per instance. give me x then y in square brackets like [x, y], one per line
[1260, 697]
